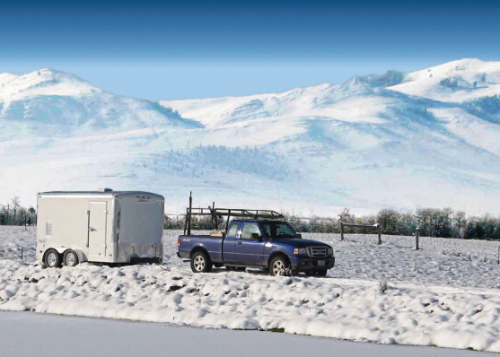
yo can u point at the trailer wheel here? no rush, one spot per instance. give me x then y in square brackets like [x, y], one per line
[200, 262]
[70, 258]
[280, 266]
[52, 258]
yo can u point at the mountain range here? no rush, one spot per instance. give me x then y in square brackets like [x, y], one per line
[429, 138]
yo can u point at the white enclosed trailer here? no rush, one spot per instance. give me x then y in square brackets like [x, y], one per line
[103, 226]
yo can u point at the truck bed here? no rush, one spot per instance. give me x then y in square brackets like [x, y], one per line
[212, 244]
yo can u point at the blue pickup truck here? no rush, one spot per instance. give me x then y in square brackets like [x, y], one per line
[266, 244]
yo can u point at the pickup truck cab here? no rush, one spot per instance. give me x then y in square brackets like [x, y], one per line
[265, 244]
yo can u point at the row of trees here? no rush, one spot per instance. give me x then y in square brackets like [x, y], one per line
[432, 222]
[13, 213]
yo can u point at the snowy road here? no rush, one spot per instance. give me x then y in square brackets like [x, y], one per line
[29, 334]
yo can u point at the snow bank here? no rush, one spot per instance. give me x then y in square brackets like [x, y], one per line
[360, 311]
[415, 308]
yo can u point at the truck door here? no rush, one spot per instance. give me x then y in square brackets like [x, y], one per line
[249, 248]
[229, 242]
[97, 229]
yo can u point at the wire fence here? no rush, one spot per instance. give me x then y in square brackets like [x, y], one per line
[12, 254]
[18, 244]
[477, 250]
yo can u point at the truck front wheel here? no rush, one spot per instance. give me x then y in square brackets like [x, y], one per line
[280, 266]
[200, 262]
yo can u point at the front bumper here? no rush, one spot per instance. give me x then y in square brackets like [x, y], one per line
[308, 264]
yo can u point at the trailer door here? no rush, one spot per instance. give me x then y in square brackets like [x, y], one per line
[97, 229]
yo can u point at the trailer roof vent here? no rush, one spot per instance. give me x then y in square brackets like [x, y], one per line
[104, 189]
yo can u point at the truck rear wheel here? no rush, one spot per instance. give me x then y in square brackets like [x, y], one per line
[52, 259]
[280, 266]
[200, 262]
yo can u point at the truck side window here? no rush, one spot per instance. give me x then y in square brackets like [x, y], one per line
[233, 229]
[248, 229]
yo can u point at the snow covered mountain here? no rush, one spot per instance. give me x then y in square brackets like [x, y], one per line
[427, 138]
[53, 103]
[455, 82]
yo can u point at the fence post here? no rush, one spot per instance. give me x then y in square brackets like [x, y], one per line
[379, 232]
[417, 236]
[341, 230]
[499, 255]
[25, 228]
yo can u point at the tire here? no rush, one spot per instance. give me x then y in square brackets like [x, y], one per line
[70, 258]
[280, 266]
[52, 258]
[200, 262]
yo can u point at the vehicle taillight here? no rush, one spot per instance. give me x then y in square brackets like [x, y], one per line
[179, 242]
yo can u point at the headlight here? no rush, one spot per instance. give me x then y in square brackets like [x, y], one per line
[300, 251]
[330, 251]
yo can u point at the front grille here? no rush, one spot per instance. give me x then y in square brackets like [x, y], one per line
[317, 252]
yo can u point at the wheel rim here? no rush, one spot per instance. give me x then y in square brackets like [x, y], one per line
[51, 259]
[70, 259]
[199, 263]
[279, 268]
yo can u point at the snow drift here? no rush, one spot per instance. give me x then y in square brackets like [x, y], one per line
[386, 294]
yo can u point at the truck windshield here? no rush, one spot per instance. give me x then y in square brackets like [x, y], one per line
[278, 230]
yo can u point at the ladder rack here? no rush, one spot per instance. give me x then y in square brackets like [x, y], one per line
[218, 214]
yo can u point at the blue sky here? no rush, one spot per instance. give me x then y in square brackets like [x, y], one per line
[190, 49]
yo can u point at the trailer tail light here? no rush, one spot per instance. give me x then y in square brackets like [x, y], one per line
[179, 242]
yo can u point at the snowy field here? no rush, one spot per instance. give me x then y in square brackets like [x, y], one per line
[444, 295]
[127, 339]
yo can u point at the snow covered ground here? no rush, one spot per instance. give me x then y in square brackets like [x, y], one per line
[444, 295]
[130, 339]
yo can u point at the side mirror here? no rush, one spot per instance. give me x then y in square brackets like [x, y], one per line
[256, 236]
[299, 235]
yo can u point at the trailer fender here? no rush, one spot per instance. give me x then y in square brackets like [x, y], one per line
[60, 250]
[82, 257]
